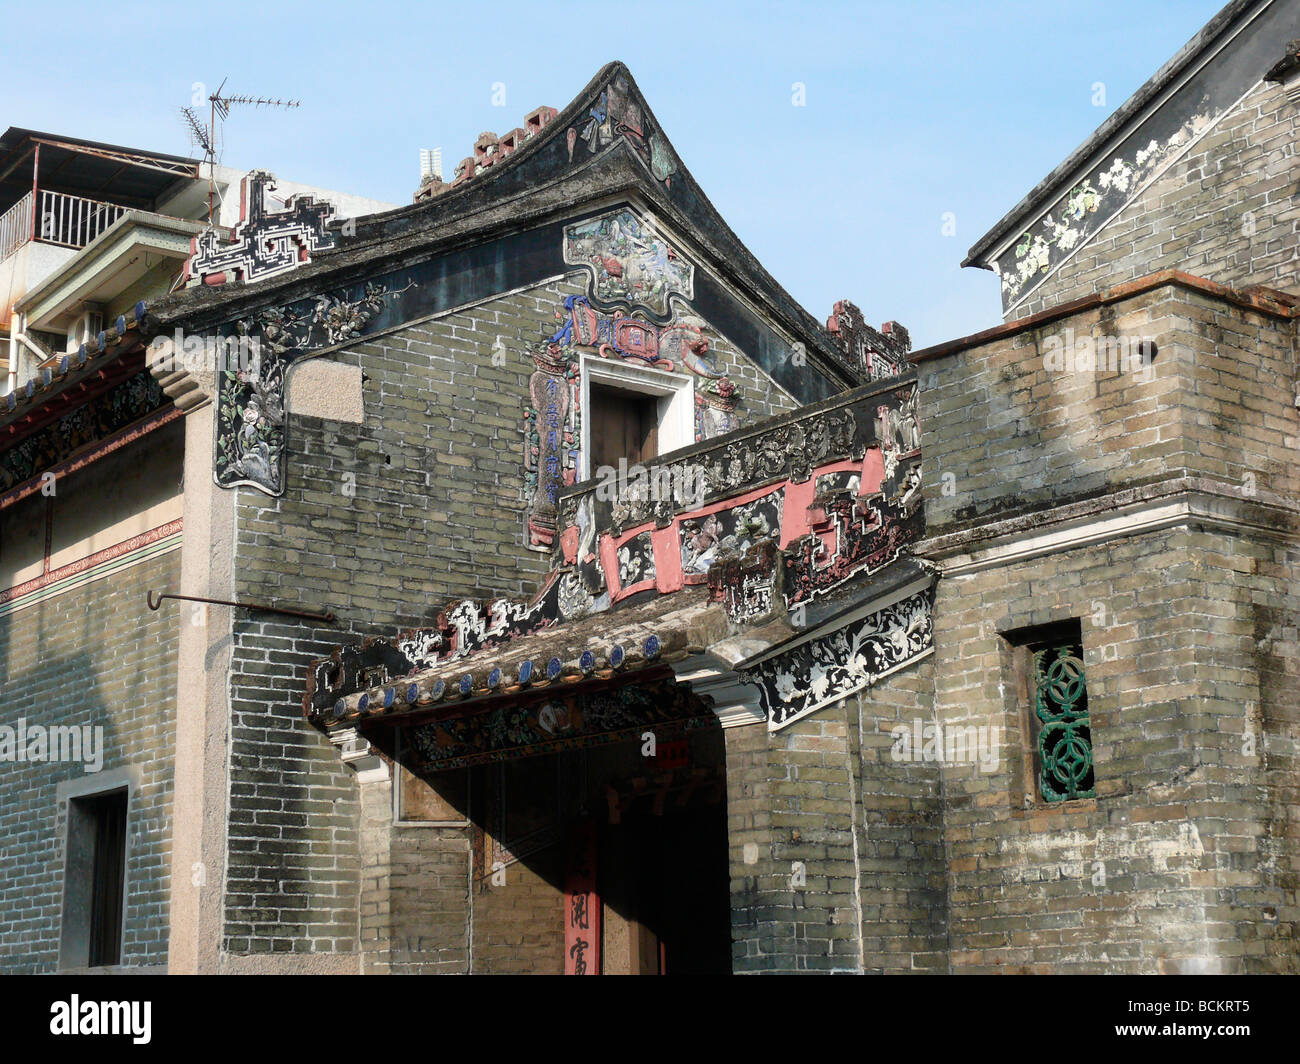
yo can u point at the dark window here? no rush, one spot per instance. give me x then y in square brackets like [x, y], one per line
[623, 425]
[95, 880]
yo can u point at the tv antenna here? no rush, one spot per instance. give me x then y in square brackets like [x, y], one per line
[205, 137]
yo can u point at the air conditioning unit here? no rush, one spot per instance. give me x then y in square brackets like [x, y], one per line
[85, 329]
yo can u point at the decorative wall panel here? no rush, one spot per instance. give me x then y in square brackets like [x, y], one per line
[629, 265]
[572, 722]
[265, 242]
[120, 406]
[251, 426]
[830, 667]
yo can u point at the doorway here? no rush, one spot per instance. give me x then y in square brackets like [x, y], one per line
[664, 884]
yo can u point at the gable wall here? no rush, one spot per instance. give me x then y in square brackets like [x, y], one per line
[436, 467]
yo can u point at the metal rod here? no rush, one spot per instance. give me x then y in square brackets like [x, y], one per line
[181, 168]
[36, 169]
[155, 600]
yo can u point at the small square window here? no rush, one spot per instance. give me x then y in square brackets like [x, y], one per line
[631, 413]
[624, 424]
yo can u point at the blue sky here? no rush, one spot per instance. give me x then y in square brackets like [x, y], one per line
[912, 109]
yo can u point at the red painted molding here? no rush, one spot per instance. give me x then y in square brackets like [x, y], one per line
[127, 546]
[796, 522]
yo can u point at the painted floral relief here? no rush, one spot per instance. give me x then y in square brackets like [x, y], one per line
[1086, 207]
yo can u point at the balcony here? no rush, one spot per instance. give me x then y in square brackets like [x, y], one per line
[63, 220]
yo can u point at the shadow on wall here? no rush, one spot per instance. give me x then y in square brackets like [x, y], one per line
[80, 884]
[638, 844]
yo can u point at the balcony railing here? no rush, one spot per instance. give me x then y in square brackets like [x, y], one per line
[73, 221]
[68, 221]
[16, 226]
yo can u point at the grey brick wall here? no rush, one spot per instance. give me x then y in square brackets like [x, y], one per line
[868, 830]
[385, 523]
[1184, 860]
[790, 799]
[1003, 432]
[903, 866]
[415, 893]
[1179, 864]
[92, 656]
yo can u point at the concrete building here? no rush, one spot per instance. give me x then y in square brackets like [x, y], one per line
[88, 230]
[550, 593]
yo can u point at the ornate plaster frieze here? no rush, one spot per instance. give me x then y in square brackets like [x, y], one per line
[867, 354]
[748, 583]
[827, 668]
[565, 722]
[629, 264]
[851, 537]
[464, 628]
[109, 412]
[251, 423]
[616, 115]
[266, 242]
[788, 451]
[728, 533]
[1093, 201]
[764, 544]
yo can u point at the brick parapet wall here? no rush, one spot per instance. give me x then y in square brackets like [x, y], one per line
[1007, 431]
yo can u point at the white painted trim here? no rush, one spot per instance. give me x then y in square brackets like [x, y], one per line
[356, 752]
[1152, 516]
[676, 408]
[1291, 87]
[735, 703]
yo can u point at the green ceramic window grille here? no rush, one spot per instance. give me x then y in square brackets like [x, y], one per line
[1064, 737]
